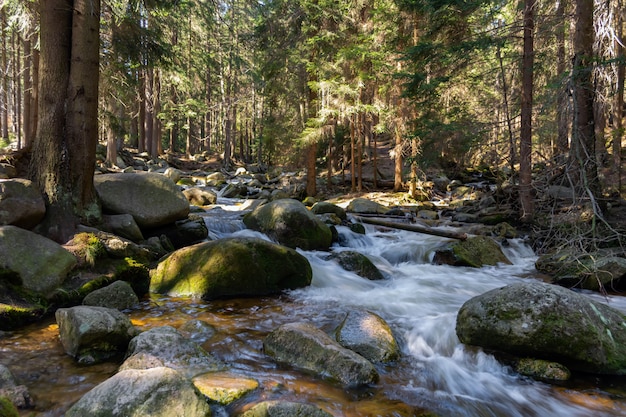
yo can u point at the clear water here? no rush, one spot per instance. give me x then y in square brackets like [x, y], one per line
[419, 301]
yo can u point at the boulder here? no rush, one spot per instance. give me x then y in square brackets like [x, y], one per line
[182, 232]
[119, 295]
[41, 263]
[231, 267]
[174, 174]
[545, 321]
[21, 203]
[215, 179]
[304, 346]
[16, 395]
[323, 207]
[368, 335]
[7, 171]
[365, 206]
[165, 345]
[284, 409]
[475, 251]
[155, 392]
[291, 224]
[152, 199]
[358, 263]
[542, 370]
[200, 196]
[224, 388]
[94, 334]
[122, 225]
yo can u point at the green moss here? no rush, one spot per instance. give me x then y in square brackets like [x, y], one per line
[136, 274]
[89, 248]
[7, 409]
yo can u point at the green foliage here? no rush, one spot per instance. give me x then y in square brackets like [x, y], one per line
[7, 409]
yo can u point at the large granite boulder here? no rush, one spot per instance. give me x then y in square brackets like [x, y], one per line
[368, 335]
[41, 263]
[200, 196]
[21, 204]
[291, 224]
[304, 346]
[94, 334]
[165, 346]
[123, 225]
[155, 392]
[224, 387]
[231, 267]
[16, 395]
[152, 199]
[324, 207]
[284, 409]
[475, 251]
[365, 206]
[545, 321]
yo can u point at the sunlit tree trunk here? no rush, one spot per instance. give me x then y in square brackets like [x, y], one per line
[525, 174]
[562, 120]
[4, 72]
[28, 91]
[397, 182]
[141, 121]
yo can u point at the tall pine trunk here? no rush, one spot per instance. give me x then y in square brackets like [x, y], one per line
[525, 174]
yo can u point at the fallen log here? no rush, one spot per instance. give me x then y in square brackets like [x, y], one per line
[413, 228]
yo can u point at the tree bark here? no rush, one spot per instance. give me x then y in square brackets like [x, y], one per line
[63, 158]
[4, 97]
[525, 174]
[562, 140]
[618, 132]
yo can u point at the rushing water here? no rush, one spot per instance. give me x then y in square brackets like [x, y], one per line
[419, 301]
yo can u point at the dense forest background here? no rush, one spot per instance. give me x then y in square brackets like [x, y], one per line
[530, 89]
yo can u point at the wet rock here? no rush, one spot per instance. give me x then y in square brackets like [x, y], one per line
[291, 224]
[365, 206]
[21, 204]
[182, 232]
[284, 409]
[122, 225]
[200, 196]
[368, 335]
[475, 251]
[120, 248]
[165, 345]
[174, 174]
[197, 330]
[155, 392]
[215, 179]
[544, 321]
[234, 189]
[231, 267]
[542, 370]
[152, 199]
[7, 171]
[119, 295]
[15, 395]
[358, 263]
[93, 334]
[224, 388]
[304, 346]
[323, 207]
[42, 264]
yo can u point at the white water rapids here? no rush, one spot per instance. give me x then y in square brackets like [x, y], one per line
[420, 302]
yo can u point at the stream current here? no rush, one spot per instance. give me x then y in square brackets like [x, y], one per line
[419, 301]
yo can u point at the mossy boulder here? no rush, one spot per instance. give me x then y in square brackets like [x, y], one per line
[542, 370]
[18, 305]
[475, 251]
[545, 321]
[284, 409]
[155, 392]
[365, 206]
[291, 224]
[7, 409]
[304, 346]
[41, 263]
[323, 207]
[223, 387]
[119, 295]
[358, 263]
[231, 267]
[152, 199]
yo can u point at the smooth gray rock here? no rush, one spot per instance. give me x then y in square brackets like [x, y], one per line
[21, 204]
[119, 295]
[122, 225]
[368, 335]
[304, 346]
[285, 409]
[155, 392]
[152, 199]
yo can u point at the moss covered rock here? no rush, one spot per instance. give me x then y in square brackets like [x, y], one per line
[542, 370]
[545, 321]
[224, 388]
[357, 263]
[231, 267]
[283, 409]
[291, 224]
[7, 409]
[475, 251]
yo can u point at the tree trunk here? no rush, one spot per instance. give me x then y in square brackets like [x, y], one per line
[141, 141]
[562, 141]
[311, 186]
[4, 95]
[618, 131]
[583, 160]
[397, 182]
[149, 117]
[525, 174]
[26, 117]
[64, 150]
